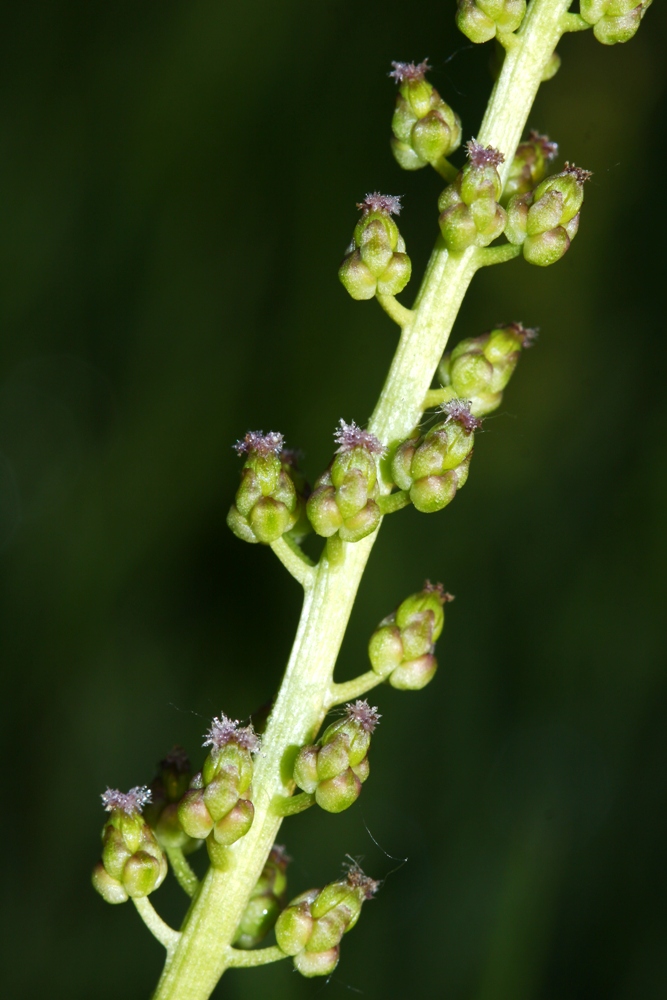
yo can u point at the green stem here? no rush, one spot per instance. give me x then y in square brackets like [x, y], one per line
[165, 934]
[295, 561]
[446, 169]
[436, 397]
[185, 876]
[203, 952]
[291, 805]
[498, 255]
[340, 693]
[394, 501]
[239, 959]
[393, 308]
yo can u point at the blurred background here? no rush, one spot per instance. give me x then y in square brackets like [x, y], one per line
[178, 186]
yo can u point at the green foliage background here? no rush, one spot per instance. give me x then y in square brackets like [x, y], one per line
[178, 185]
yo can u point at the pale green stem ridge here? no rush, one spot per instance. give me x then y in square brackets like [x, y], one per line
[203, 951]
[393, 308]
[185, 876]
[340, 693]
[238, 959]
[295, 561]
[165, 934]
[293, 804]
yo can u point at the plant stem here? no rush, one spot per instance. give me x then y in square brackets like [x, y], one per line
[203, 952]
[165, 934]
[295, 561]
[239, 959]
[339, 693]
[185, 876]
[393, 308]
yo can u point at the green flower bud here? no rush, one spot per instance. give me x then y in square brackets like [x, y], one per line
[266, 900]
[529, 165]
[335, 768]
[479, 368]
[470, 214]
[266, 503]
[613, 20]
[401, 648]
[133, 863]
[311, 927]
[434, 467]
[376, 260]
[481, 20]
[425, 128]
[217, 806]
[167, 789]
[545, 221]
[344, 498]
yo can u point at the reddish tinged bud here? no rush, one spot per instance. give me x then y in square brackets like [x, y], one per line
[389, 204]
[483, 156]
[376, 260]
[403, 71]
[260, 443]
[401, 648]
[224, 730]
[458, 410]
[350, 436]
[469, 211]
[425, 129]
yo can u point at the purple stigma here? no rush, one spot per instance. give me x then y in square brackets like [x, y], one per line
[389, 204]
[458, 411]
[549, 149]
[176, 760]
[438, 588]
[224, 730]
[131, 802]
[349, 437]
[260, 443]
[403, 71]
[357, 880]
[578, 173]
[483, 156]
[361, 712]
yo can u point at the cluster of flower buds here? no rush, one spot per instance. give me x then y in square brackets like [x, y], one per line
[266, 900]
[470, 213]
[344, 498]
[401, 648]
[613, 20]
[545, 221]
[529, 165]
[376, 261]
[425, 128]
[435, 466]
[266, 503]
[482, 20]
[217, 805]
[167, 789]
[311, 927]
[133, 863]
[335, 767]
[479, 368]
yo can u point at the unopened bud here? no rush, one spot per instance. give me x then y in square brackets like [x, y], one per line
[482, 20]
[470, 214]
[376, 260]
[401, 648]
[529, 165]
[133, 863]
[266, 504]
[335, 768]
[425, 128]
[434, 467]
[344, 498]
[613, 21]
[545, 222]
[479, 368]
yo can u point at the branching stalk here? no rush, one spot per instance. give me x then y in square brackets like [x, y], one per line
[203, 951]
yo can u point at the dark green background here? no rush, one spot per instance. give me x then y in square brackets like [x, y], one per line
[177, 183]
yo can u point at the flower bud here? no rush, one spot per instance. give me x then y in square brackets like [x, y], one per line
[613, 20]
[434, 467]
[375, 260]
[335, 768]
[218, 805]
[470, 214]
[266, 503]
[425, 128]
[545, 221]
[344, 498]
[311, 927]
[529, 165]
[167, 789]
[133, 863]
[401, 648]
[479, 368]
[266, 900]
[481, 20]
